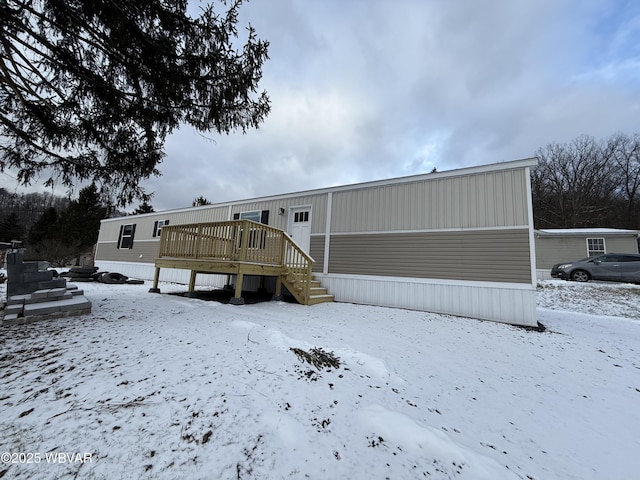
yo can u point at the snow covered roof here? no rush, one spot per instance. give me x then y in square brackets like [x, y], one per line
[585, 231]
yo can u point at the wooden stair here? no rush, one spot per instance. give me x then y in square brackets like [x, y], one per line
[239, 247]
[297, 287]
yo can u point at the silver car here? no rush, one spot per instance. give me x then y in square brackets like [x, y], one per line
[610, 267]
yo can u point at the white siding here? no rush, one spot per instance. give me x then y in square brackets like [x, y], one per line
[513, 304]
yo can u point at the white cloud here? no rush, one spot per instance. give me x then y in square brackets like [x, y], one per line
[370, 89]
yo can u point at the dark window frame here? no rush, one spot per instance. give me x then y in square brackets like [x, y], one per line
[256, 239]
[125, 238]
[157, 227]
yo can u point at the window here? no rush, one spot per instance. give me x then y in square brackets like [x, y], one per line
[257, 238]
[127, 233]
[595, 246]
[157, 227]
[299, 217]
[260, 216]
[255, 216]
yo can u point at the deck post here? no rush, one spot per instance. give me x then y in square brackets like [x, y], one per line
[156, 278]
[277, 297]
[192, 284]
[237, 298]
[244, 240]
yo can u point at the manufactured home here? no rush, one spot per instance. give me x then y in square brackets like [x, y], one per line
[459, 242]
[555, 245]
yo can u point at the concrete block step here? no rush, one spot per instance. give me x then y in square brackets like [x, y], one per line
[15, 308]
[49, 295]
[18, 299]
[55, 283]
[65, 296]
[9, 319]
[67, 305]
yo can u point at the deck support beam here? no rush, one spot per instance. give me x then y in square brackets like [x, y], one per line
[192, 284]
[237, 298]
[277, 297]
[156, 279]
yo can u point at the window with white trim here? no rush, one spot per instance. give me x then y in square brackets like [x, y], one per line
[127, 232]
[595, 246]
[157, 227]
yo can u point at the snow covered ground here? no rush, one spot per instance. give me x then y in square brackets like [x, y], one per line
[161, 386]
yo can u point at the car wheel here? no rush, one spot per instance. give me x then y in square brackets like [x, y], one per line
[580, 276]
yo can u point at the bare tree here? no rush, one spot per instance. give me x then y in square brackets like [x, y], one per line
[625, 153]
[574, 184]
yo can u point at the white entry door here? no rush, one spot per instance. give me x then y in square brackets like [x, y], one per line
[300, 226]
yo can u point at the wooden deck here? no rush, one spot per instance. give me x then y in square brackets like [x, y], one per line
[239, 247]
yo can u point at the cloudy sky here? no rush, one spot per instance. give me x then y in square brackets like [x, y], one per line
[370, 89]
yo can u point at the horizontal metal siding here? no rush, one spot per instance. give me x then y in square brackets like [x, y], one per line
[621, 244]
[316, 250]
[142, 252]
[494, 199]
[552, 250]
[318, 214]
[498, 255]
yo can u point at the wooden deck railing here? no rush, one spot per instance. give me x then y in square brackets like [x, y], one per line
[240, 241]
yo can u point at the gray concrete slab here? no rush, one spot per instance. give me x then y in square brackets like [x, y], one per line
[39, 294]
[54, 283]
[67, 305]
[56, 292]
[16, 308]
[18, 299]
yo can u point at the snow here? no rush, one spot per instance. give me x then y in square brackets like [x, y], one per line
[164, 386]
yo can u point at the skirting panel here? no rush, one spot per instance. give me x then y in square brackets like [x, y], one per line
[497, 302]
[146, 271]
[544, 274]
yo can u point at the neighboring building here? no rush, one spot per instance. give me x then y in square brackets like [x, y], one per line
[567, 244]
[457, 242]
